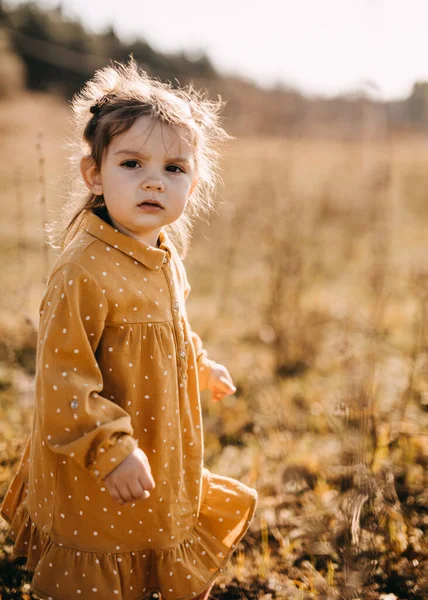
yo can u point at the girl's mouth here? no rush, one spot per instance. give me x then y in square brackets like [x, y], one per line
[148, 206]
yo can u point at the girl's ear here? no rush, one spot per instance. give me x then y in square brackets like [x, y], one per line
[91, 175]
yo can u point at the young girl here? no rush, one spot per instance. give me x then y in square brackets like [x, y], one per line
[117, 502]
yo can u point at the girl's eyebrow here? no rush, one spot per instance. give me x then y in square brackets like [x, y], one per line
[181, 159]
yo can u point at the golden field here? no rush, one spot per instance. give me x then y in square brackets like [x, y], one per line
[310, 283]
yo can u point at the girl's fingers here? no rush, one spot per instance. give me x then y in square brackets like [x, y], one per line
[127, 493]
[116, 495]
[146, 491]
[110, 488]
[136, 489]
[147, 481]
[130, 493]
[226, 384]
[144, 474]
[222, 392]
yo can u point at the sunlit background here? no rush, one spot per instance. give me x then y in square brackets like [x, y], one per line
[309, 280]
[320, 48]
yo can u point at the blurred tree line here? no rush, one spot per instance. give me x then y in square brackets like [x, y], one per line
[42, 49]
[59, 54]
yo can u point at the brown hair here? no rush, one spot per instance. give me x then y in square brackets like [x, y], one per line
[108, 105]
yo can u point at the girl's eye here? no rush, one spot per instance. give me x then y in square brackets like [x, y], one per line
[180, 170]
[130, 163]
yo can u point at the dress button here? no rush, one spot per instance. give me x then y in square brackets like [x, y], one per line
[183, 354]
[74, 404]
[96, 473]
[176, 306]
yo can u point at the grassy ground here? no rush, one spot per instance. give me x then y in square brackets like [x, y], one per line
[310, 284]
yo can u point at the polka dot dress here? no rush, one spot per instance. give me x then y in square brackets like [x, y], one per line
[118, 366]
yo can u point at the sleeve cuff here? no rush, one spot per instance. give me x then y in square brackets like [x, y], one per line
[111, 454]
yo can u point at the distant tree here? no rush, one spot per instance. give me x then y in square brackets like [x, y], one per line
[418, 103]
[12, 69]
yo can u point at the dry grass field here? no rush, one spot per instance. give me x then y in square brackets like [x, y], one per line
[310, 283]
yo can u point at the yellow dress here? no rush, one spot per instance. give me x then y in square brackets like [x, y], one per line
[118, 366]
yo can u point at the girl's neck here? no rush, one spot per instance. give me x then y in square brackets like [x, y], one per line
[102, 212]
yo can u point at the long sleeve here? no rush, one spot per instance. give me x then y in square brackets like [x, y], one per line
[205, 364]
[75, 419]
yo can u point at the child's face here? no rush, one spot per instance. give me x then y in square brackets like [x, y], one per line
[149, 162]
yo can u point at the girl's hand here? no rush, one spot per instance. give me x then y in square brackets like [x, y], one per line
[220, 383]
[132, 479]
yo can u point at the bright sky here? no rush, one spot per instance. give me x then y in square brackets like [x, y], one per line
[318, 46]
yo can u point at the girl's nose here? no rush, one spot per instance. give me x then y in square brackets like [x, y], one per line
[153, 185]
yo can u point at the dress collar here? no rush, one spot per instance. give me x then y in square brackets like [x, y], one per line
[149, 256]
